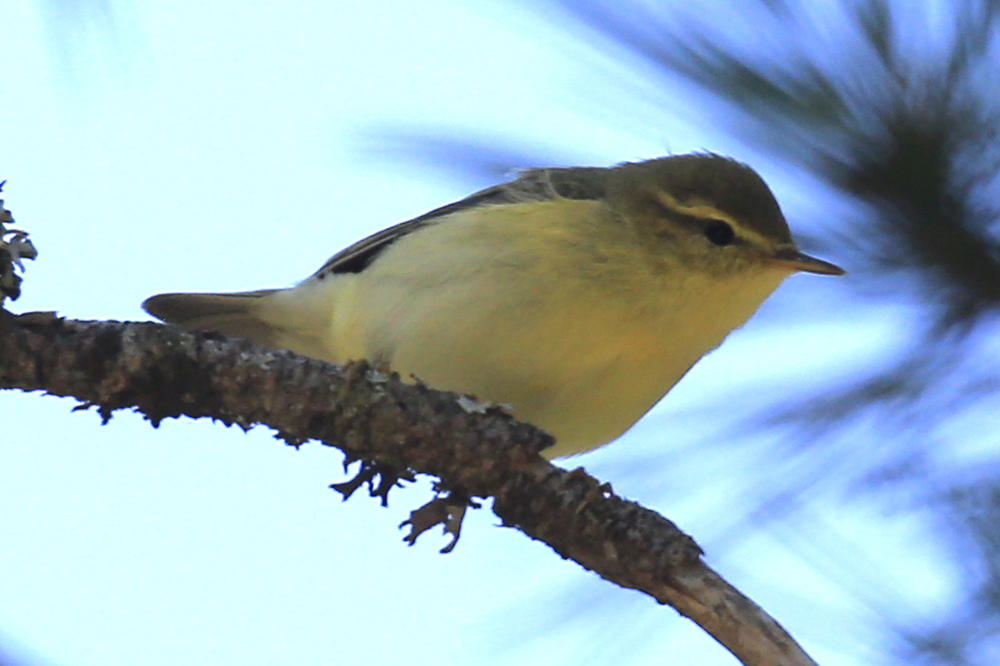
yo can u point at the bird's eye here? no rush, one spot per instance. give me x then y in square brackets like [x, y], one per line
[719, 233]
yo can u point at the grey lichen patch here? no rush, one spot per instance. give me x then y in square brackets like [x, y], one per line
[472, 406]
[14, 247]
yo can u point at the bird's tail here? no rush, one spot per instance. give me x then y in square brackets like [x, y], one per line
[290, 318]
[237, 314]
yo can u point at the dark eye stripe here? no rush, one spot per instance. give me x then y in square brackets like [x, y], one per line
[720, 233]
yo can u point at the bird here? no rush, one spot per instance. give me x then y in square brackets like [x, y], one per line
[576, 296]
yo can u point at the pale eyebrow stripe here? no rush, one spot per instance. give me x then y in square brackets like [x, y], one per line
[703, 211]
[706, 212]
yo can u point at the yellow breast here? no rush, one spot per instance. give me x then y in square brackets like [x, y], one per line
[550, 307]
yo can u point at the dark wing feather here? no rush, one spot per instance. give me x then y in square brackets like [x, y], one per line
[532, 185]
[357, 257]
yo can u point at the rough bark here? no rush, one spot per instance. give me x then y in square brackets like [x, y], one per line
[164, 371]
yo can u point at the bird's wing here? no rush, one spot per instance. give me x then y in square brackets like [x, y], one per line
[532, 185]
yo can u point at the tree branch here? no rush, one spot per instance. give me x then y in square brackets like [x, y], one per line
[165, 371]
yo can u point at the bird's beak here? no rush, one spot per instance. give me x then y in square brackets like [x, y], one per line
[791, 258]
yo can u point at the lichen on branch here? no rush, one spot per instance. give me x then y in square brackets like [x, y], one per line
[165, 372]
[14, 247]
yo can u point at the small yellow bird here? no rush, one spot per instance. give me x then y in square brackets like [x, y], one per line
[578, 296]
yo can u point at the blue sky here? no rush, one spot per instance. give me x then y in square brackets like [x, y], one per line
[229, 146]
